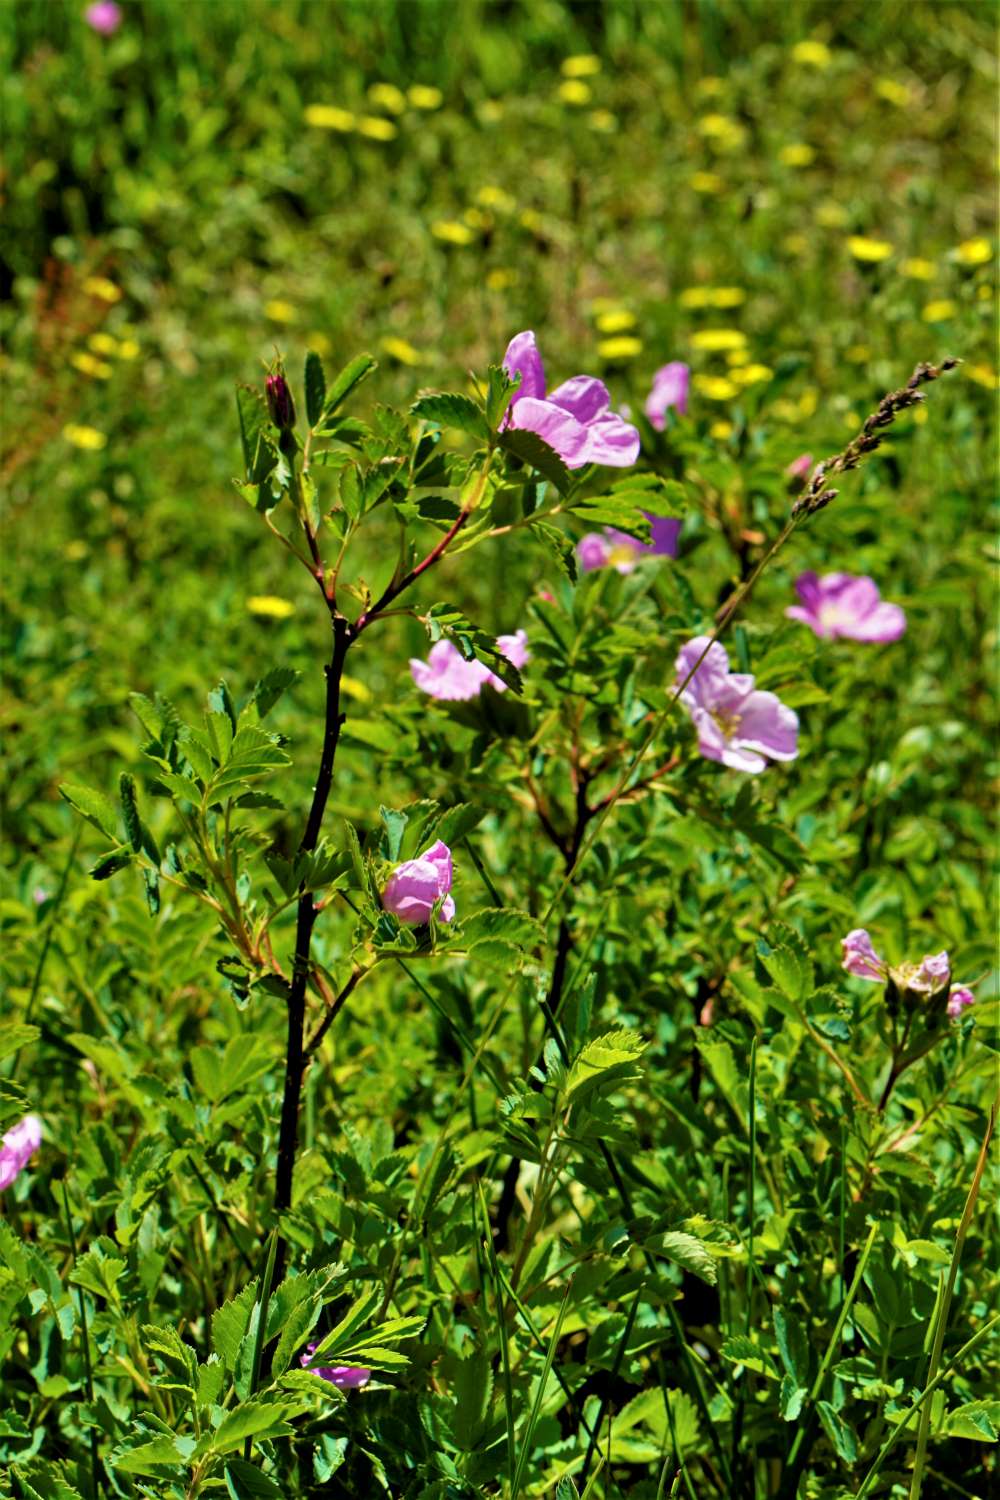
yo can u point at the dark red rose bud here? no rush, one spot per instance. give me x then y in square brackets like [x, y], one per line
[279, 402]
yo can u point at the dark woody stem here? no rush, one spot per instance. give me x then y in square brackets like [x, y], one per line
[295, 1055]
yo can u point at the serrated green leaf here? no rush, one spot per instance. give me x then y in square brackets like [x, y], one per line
[529, 449]
[347, 382]
[687, 1251]
[314, 381]
[253, 753]
[450, 409]
[98, 809]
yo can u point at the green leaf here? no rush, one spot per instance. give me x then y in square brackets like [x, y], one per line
[499, 392]
[449, 409]
[793, 1345]
[98, 1273]
[501, 924]
[253, 422]
[230, 1322]
[245, 1481]
[151, 1457]
[979, 1421]
[786, 958]
[529, 449]
[348, 381]
[315, 384]
[257, 1418]
[13, 1035]
[473, 1387]
[687, 1251]
[270, 688]
[253, 753]
[98, 809]
[611, 1058]
[130, 811]
[841, 1435]
[109, 864]
[740, 1350]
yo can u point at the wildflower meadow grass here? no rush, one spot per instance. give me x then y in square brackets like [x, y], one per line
[499, 658]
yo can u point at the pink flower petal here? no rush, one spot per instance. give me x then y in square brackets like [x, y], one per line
[522, 358]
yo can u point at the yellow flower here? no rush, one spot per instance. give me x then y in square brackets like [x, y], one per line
[727, 296]
[982, 375]
[452, 231]
[809, 401]
[717, 340]
[100, 286]
[279, 311]
[530, 219]
[724, 133]
[270, 606]
[940, 311]
[91, 366]
[615, 320]
[102, 343]
[738, 357]
[584, 65]
[892, 91]
[696, 296]
[76, 550]
[319, 343]
[500, 278]
[328, 117]
[495, 197]
[920, 270]
[721, 431]
[387, 96]
[858, 354]
[624, 347]
[356, 689]
[87, 438]
[871, 251]
[376, 129]
[920, 415]
[715, 387]
[476, 219]
[974, 252]
[401, 350]
[797, 154]
[752, 374]
[128, 349]
[424, 96]
[707, 182]
[603, 119]
[814, 54]
[710, 87]
[831, 215]
[572, 91]
[490, 111]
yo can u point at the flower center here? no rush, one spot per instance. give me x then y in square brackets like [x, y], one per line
[728, 723]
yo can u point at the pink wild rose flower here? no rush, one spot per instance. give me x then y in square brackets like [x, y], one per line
[623, 552]
[415, 887]
[104, 16]
[448, 676]
[344, 1377]
[669, 389]
[575, 419]
[737, 724]
[958, 999]
[799, 467]
[18, 1147]
[860, 958]
[842, 605]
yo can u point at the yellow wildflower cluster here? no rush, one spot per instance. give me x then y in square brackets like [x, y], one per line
[584, 65]
[452, 232]
[722, 132]
[101, 287]
[87, 438]
[574, 91]
[712, 296]
[400, 350]
[270, 606]
[621, 348]
[717, 340]
[868, 250]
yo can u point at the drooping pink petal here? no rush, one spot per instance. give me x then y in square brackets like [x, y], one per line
[556, 427]
[670, 389]
[612, 442]
[522, 358]
[515, 648]
[584, 397]
[415, 886]
[859, 958]
[446, 674]
[958, 999]
[768, 725]
[710, 676]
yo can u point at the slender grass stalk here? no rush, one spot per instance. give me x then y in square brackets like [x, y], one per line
[95, 1462]
[615, 1367]
[869, 1480]
[833, 1344]
[508, 1384]
[50, 927]
[941, 1320]
[536, 1405]
[261, 1329]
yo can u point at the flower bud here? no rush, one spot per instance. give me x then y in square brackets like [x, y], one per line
[279, 402]
[417, 885]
